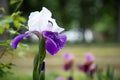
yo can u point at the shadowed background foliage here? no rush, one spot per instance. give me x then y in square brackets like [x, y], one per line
[98, 15]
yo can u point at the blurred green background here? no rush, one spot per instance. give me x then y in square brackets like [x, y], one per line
[90, 25]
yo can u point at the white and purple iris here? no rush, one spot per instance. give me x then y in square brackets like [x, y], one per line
[41, 24]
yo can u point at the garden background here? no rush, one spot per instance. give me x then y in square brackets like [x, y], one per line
[90, 25]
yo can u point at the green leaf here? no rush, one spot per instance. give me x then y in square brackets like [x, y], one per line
[23, 45]
[22, 19]
[12, 31]
[99, 73]
[7, 25]
[15, 15]
[14, 1]
[112, 74]
[1, 30]
[6, 43]
[108, 71]
[2, 10]
[5, 68]
[17, 24]
[18, 20]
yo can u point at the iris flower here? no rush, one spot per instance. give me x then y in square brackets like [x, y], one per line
[89, 66]
[69, 59]
[42, 25]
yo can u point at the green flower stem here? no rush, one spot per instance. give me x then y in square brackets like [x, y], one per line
[38, 60]
[35, 73]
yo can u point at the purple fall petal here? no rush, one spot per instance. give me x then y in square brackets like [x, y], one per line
[55, 41]
[17, 39]
[63, 39]
[51, 47]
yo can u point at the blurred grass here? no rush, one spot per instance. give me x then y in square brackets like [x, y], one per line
[104, 54]
[17, 76]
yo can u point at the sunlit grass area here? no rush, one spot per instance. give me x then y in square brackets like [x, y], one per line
[23, 60]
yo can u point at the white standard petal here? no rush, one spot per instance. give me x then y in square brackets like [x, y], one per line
[46, 13]
[45, 16]
[42, 21]
[38, 20]
[33, 21]
[55, 27]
